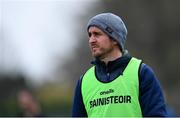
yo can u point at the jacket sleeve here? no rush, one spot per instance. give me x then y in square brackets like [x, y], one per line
[78, 109]
[151, 96]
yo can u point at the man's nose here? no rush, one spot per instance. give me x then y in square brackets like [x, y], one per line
[92, 39]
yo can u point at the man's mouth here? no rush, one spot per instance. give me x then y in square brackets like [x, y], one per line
[94, 46]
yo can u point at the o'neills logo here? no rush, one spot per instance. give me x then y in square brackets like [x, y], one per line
[107, 92]
[109, 100]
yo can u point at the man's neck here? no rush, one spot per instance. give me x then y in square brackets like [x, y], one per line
[111, 57]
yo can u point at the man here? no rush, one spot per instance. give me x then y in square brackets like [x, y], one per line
[118, 85]
[29, 105]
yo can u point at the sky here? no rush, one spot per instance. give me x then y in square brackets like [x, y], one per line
[34, 32]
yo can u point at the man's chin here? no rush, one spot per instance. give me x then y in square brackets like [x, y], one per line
[96, 55]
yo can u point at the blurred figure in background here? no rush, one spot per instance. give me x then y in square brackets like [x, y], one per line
[29, 105]
[118, 85]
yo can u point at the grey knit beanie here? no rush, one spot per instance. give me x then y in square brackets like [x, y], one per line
[112, 25]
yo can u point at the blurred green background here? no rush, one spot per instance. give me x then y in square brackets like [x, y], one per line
[153, 35]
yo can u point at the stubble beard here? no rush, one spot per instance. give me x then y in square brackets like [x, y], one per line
[102, 53]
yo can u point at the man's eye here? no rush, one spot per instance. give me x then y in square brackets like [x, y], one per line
[89, 34]
[97, 34]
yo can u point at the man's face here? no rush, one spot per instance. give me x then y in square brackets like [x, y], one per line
[100, 43]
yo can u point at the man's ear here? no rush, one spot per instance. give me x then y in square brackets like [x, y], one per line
[115, 42]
